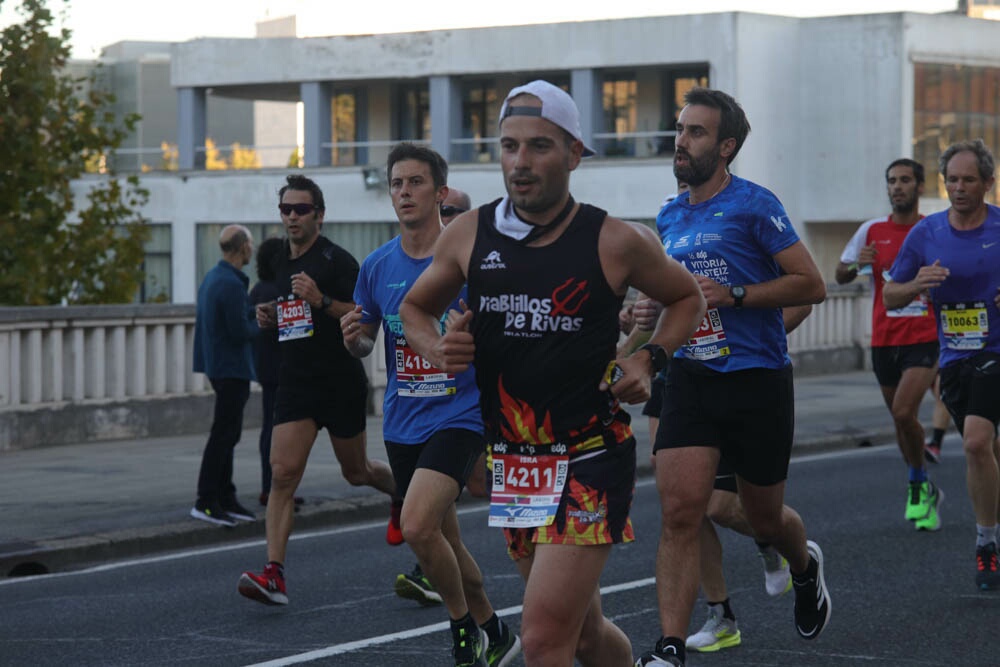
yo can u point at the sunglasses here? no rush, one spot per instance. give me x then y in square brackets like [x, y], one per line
[300, 209]
[449, 211]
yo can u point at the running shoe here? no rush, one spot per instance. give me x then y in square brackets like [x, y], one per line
[777, 577]
[932, 452]
[812, 600]
[916, 501]
[267, 587]
[717, 633]
[661, 655]
[468, 648]
[212, 513]
[932, 521]
[987, 567]
[393, 533]
[504, 651]
[415, 586]
[233, 508]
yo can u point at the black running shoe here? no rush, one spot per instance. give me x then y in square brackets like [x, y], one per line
[987, 567]
[212, 513]
[661, 655]
[233, 508]
[812, 600]
[415, 586]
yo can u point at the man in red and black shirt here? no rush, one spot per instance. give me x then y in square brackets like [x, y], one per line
[904, 341]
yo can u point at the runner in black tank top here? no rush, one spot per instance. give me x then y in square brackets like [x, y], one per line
[552, 309]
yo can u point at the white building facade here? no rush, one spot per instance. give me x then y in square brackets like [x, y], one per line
[831, 102]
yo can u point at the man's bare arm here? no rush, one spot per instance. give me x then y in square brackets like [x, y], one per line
[433, 292]
[896, 295]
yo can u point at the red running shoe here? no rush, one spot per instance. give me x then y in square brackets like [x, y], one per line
[393, 533]
[267, 587]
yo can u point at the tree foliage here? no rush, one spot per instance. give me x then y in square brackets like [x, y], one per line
[54, 127]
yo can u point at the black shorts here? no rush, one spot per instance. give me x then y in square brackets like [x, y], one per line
[451, 451]
[890, 362]
[748, 415]
[972, 387]
[341, 408]
[654, 405]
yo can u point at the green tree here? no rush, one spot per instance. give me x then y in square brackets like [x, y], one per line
[54, 128]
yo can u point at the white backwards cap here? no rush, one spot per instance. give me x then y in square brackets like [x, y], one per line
[557, 107]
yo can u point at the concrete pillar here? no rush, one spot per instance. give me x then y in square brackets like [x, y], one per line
[191, 128]
[52, 380]
[158, 361]
[135, 353]
[178, 366]
[75, 355]
[95, 367]
[585, 86]
[116, 358]
[361, 124]
[318, 125]
[33, 357]
[446, 114]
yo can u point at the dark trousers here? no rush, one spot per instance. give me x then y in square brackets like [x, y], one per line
[215, 480]
[268, 394]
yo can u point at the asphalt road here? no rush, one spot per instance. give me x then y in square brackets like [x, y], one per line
[899, 597]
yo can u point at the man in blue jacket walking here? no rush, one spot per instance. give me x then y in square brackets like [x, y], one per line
[225, 324]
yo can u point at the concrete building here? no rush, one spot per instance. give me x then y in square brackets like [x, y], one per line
[831, 101]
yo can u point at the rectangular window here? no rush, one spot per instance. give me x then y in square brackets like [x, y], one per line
[953, 103]
[157, 266]
[480, 109]
[413, 120]
[343, 113]
[620, 101]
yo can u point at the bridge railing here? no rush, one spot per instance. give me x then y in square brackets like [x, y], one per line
[78, 354]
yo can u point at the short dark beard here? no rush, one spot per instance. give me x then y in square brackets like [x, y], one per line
[906, 207]
[698, 171]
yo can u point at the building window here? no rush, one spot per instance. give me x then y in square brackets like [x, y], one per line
[344, 116]
[480, 109]
[953, 103]
[620, 100]
[208, 254]
[157, 266]
[413, 109]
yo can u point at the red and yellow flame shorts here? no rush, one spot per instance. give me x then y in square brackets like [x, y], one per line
[595, 503]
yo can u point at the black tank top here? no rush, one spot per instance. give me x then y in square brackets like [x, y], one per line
[546, 327]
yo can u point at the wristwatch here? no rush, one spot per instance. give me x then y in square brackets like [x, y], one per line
[326, 302]
[738, 292]
[657, 357]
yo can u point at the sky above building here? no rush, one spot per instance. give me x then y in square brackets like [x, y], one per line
[98, 23]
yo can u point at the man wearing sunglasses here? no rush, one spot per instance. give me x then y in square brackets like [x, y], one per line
[454, 205]
[320, 385]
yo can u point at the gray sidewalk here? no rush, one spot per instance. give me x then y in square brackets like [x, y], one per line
[66, 506]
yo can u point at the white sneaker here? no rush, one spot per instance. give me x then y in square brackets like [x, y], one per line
[717, 633]
[777, 576]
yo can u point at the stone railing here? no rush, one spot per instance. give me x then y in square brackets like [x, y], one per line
[78, 373]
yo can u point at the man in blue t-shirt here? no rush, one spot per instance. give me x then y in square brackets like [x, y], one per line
[431, 419]
[729, 389]
[954, 258]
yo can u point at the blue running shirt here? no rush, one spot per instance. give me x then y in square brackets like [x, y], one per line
[732, 238]
[419, 399]
[968, 320]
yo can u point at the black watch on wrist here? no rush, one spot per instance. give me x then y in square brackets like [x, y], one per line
[738, 292]
[326, 302]
[657, 357]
